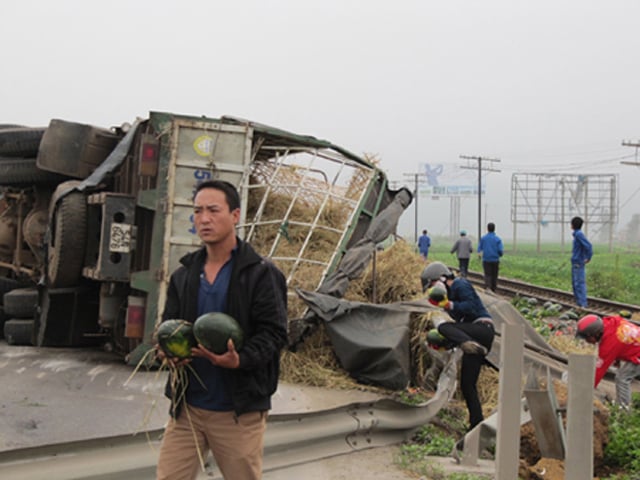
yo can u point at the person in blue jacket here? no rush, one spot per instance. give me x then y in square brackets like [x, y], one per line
[472, 329]
[490, 249]
[424, 242]
[580, 255]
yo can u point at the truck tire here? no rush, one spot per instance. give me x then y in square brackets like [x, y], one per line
[21, 302]
[68, 241]
[3, 320]
[9, 284]
[19, 331]
[20, 142]
[75, 149]
[23, 171]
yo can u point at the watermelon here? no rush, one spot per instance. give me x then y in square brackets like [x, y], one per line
[437, 340]
[213, 331]
[438, 292]
[175, 338]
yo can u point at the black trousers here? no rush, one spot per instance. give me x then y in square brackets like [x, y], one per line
[491, 275]
[458, 333]
[463, 265]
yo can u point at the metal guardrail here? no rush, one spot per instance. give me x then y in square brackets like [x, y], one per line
[290, 439]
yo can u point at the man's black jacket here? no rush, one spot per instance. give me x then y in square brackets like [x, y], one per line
[257, 299]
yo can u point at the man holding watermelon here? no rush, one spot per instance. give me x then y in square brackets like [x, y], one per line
[223, 403]
[471, 328]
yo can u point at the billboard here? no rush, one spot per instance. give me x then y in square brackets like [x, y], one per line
[447, 179]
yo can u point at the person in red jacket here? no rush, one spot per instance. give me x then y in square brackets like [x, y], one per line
[618, 340]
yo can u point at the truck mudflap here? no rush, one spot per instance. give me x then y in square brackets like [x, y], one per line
[67, 317]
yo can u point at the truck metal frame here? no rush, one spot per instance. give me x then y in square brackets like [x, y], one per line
[122, 211]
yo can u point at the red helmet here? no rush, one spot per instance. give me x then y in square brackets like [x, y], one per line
[590, 326]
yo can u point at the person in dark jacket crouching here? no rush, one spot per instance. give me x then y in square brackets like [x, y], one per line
[471, 330]
[227, 396]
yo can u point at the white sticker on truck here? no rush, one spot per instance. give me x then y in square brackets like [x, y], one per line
[120, 238]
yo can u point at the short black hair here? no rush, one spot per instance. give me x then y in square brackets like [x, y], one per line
[229, 190]
[576, 223]
[491, 227]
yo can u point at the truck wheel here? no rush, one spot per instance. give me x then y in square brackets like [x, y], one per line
[21, 302]
[20, 142]
[23, 171]
[3, 320]
[19, 331]
[8, 284]
[68, 240]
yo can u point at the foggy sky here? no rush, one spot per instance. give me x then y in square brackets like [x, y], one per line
[543, 86]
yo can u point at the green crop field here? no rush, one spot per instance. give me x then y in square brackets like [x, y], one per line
[613, 276]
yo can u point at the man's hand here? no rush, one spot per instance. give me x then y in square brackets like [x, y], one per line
[446, 304]
[229, 359]
[437, 295]
[174, 361]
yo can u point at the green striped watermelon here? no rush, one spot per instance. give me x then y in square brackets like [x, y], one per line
[213, 330]
[438, 292]
[436, 340]
[176, 338]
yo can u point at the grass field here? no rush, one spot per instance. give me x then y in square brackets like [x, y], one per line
[613, 276]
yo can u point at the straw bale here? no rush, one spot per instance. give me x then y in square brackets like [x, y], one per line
[569, 344]
[300, 234]
[397, 276]
[315, 364]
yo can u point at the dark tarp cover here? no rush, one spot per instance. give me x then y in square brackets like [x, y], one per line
[371, 341]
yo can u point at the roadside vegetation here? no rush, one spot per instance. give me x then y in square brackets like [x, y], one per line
[614, 276]
[398, 271]
[611, 275]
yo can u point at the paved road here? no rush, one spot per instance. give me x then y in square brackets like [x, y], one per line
[59, 395]
[56, 395]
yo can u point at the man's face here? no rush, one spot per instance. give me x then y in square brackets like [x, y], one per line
[213, 220]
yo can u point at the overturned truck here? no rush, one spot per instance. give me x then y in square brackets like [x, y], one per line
[94, 220]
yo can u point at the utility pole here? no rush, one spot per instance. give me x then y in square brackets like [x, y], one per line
[416, 193]
[479, 168]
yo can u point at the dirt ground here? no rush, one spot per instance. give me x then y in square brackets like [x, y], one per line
[534, 467]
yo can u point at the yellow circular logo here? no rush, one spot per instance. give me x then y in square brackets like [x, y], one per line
[203, 145]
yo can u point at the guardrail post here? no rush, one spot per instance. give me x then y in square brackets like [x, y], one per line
[579, 459]
[509, 400]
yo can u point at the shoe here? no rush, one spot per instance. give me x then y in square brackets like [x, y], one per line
[473, 348]
[458, 450]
